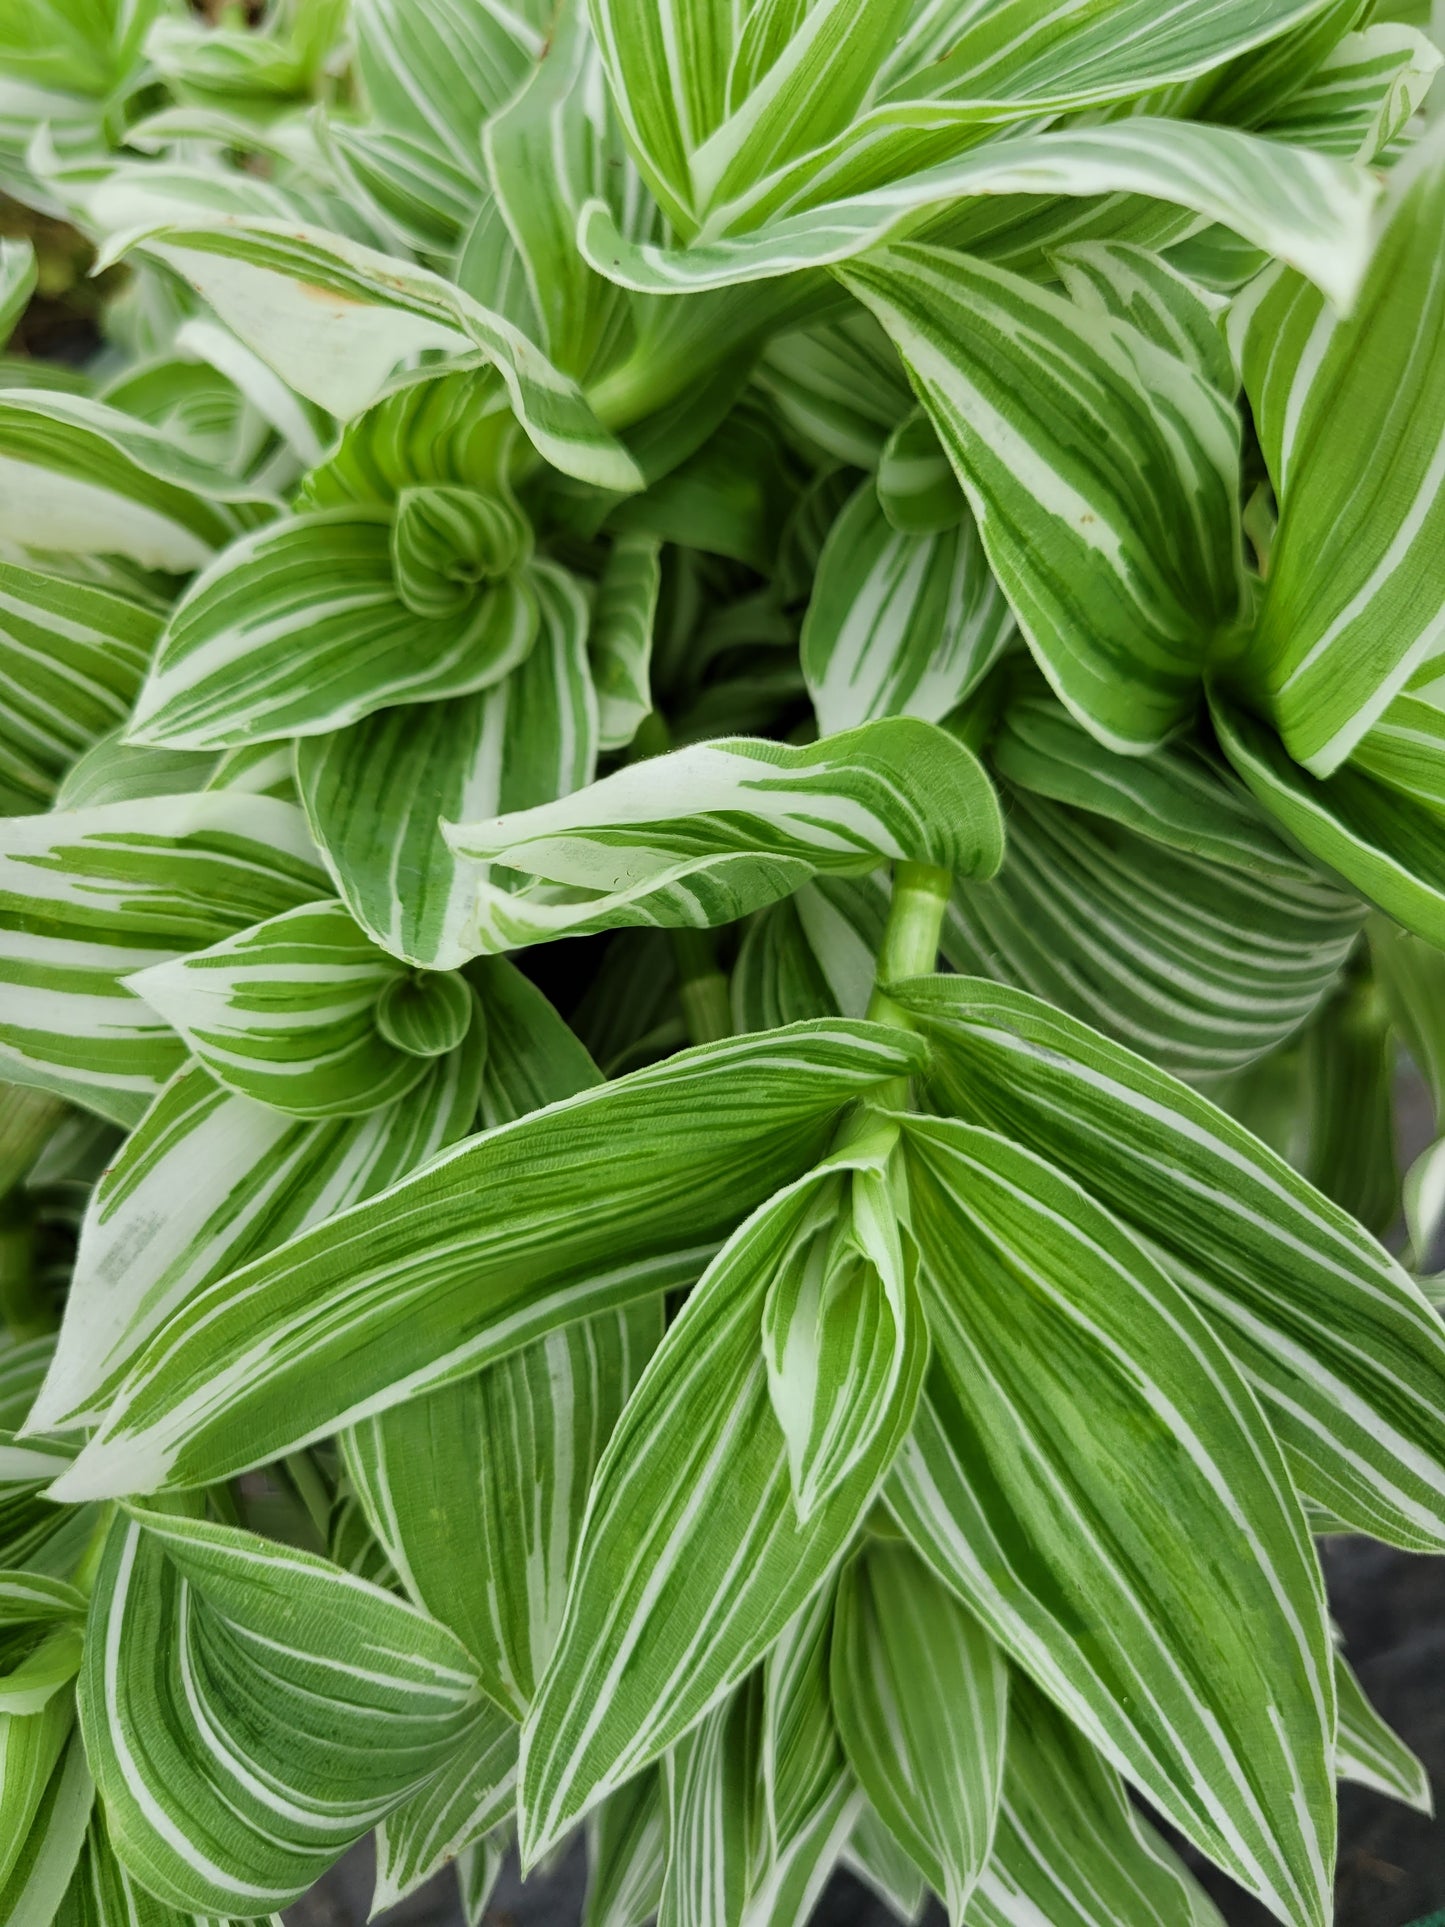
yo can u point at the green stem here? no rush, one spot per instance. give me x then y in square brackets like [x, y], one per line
[909, 949]
[701, 987]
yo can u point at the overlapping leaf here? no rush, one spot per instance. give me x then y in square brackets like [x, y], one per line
[1344, 1352]
[693, 1557]
[89, 896]
[82, 478]
[236, 1741]
[420, 1286]
[1093, 1475]
[377, 792]
[1101, 470]
[708, 833]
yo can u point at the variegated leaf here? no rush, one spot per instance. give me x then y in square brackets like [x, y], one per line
[620, 642]
[659, 1627]
[1070, 1848]
[79, 477]
[89, 896]
[760, 819]
[1371, 1754]
[1308, 210]
[471, 1795]
[1355, 601]
[209, 1181]
[1380, 839]
[898, 624]
[1126, 1527]
[419, 1287]
[1346, 1355]
[193, 1628]
[303, 628]
[305, 1014]
[1102, 472]
[627, 1854]
[333, 318]
[921, 1696]
[71, 661]
[377, 791]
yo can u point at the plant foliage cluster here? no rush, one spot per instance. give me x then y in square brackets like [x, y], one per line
[701, 510]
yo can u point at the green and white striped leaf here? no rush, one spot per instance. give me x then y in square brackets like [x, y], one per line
[873, 1856]
[838, 387]
[80, 478]
[207, 1182]
[115, 771]
[29, 1598]
[377, 792]
[446, 542]
[214, 1804]
[899, 624]
[552, 147]
[843, 1335]
[801, 1753]
[710, 1782]
[693, 1559]
[302, 629]
[433, 72]
[1070, 1848]
[38, 1677]
[1126, 1527]
[917, 488]
[1383, 841]
[921, 1697]
[787, 1892]
[1355, 601]
[1102, 473]
[473, 1793]
[1201, 966]
[708, 833]
[620, 643]
[334, 318]
[611, 1196]
[1137, 286]
[71, 661]
[293, 1013]
[1178, 796]
[31, 1744]
[89, 896]
[626, 1854]
[1363, 95]
[734, 116]
[1371, 1754]
[1345, 1354]
[102, 1892]
[449, 430]
[476, 1491]
[812, 955]
[1406, 747]
[18, 276]
[42, 1876]
[1305, 209]
[479, 1868]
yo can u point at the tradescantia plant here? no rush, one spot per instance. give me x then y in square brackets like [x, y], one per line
[723, 756]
